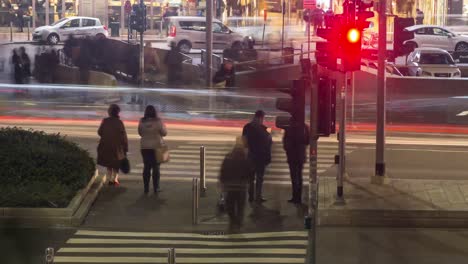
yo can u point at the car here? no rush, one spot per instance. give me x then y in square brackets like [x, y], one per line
[79, 27]
[190, 32]
[432, 62]
[436, 37]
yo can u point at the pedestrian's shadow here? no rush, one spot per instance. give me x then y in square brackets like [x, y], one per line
[264, 217]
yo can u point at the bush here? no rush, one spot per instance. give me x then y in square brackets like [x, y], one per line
[41, 170]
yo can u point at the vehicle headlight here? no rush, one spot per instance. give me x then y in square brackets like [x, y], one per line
[457, 74]
[425, 73]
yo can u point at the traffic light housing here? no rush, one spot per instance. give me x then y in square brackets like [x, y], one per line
[400, 36]
[138, 18]
[363, 14]
[351, 44]
[327, 53]
[326, 106]
[295, 105]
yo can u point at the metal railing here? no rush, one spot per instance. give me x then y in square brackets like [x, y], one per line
[195, 200]
[217, 60]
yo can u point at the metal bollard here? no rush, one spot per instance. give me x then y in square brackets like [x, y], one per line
[195, 200]
[29, 35]
[11, 31]
[202, 170]
[49, 255]
[171, 257]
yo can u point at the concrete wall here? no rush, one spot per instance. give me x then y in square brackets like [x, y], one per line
[71, 75]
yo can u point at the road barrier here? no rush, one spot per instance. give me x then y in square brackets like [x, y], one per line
[195, 200]
[202, 170]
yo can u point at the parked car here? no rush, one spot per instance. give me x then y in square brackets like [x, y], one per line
[190, 32]
[79, 27]
[432, 62]
[436, 37]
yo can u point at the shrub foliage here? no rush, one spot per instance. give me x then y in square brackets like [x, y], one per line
[41, 170]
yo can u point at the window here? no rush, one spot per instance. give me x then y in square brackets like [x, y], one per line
[436, 58]
[420, 31]
[220, 28]
[89, 22]
[440, 32]
[72, 23]
[193, 25]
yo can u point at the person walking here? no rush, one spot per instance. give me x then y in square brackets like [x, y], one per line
[299, 12]
[17, 67]
[419, 17]
[318, 15]
[20, 17]
[329, 18]
[26, 62]
[236, 173]
[113, 144]
[151, 130]
[173, 60]
[295, 140]
[259, 143]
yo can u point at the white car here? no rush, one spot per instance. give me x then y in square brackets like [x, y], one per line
[432, 62]
[190, 32]
[79, 27]
[436, 37]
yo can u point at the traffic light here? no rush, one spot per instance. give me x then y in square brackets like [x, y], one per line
[326, 106]
[138, 18]
[400, 35]
[351, 44]
[295, 105]
[327, 53]
[363, 14]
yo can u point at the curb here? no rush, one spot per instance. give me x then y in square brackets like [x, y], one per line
[72, 215]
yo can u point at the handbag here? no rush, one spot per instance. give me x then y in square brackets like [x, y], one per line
[125, 165]
[162, 154]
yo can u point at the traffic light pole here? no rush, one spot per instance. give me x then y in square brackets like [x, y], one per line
[311, 219]
[142, 50]
[380, 137]
[209, 41]
[342, 143]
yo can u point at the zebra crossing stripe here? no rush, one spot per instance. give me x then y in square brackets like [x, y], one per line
[270, 251]
[84, 232]
[150, 260]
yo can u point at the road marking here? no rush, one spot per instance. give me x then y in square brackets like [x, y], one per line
[272, 251]
[179, 260]
[170, 241]
[464, 113]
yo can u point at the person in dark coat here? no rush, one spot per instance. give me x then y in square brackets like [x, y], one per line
[173, 60]
[20, 17]
[295, 140]
[17, 67]
[226, 76]
[329, 18]
[26, 62]
[419, 17]
[258, 142]
[113, 144]
[236, 173]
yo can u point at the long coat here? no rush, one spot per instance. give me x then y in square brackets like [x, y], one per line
[113, 143]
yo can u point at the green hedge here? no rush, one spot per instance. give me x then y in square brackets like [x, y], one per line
[41, 170]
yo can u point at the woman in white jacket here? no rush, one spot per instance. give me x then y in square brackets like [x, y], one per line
[152, 130]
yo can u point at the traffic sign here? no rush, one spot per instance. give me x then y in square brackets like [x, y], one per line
[310, 4]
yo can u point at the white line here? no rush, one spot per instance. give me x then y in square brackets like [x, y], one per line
[221, 152]
[179, 260]
[212, 167]
[84, 232]
[169, 241]
[272, 251]
[210, 174]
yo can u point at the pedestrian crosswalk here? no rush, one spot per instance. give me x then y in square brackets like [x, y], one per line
[94, 246]
[185, 161]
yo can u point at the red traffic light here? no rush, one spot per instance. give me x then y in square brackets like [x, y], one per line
[353, 35]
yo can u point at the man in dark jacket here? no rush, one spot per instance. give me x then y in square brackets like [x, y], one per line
[259, 144]
[236, 172]
[173, 60]
[295, 140]
[225, 74]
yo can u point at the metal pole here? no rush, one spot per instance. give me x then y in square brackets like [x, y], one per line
[152, 14]
[282, 29]
[353, 84]
[64, 6]
[171, 256]
[49, 255]
[29, 35]
[47, 8]
[122, 17]
[308, 33]
[311, 219]
[380, 139]
[195, 200]
[209, 41]
[142, 50]
[202, 170]
[34, 14]
[11, 31]
[342, 143]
